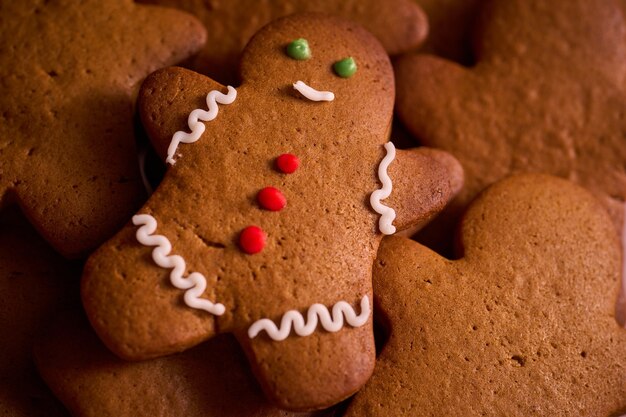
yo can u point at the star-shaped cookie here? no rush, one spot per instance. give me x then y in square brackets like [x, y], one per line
[68, 71]
[522, 324]
[270, 212]
[400, 25]
[546, 95]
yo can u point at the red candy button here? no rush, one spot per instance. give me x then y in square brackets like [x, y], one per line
[252, 240]
[287, 163]
[271, 198]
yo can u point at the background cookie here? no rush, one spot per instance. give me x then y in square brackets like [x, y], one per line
[449, 29]
[35, 282]
[523, 324]
[546, 95]
[68, 69]
[210, 380]
[400, 26]
[318, 249]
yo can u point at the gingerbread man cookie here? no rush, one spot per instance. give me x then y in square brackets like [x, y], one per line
[523, 324]
[270, 214]
[68, 70]
[546, 95]
[400, 25]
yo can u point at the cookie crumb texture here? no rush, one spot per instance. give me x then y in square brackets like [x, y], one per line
[69, 71]
[523, 324]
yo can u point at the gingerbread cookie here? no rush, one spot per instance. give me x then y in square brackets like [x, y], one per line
[212, 379]
[546, 95]
[523, 324]
[67, 151]
[35, 282]
[262, 226]
[400, 26]
[450, 25]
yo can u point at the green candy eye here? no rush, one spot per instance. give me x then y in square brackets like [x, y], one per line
[345, 68]
[299, 49]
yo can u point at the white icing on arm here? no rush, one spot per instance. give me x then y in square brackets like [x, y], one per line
[313, 94]
[194, 284]
[388, 214]
[294, 319]
[197, 127]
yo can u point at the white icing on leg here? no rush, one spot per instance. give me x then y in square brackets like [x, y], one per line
[197, 127]
[194, 284]
[313, 94]
[293, 319]
[387, 213]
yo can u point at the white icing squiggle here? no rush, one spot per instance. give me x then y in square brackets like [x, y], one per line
[193, 121]
[194, 283]
[313, 94]
[387, 214]
[294, 319]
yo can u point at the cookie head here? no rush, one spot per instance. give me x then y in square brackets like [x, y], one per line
[342, 59]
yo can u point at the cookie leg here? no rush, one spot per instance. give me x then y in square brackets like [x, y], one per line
[316, 371]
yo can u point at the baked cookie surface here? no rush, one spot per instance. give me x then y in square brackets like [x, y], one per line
[69, 70]
[522, 324]
[269, 271]
[211, 380]
[546, 95]
[400, 25]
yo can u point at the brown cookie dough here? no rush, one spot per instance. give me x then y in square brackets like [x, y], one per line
[68, 71]
[522, 324]
[400, 25]
[318, 249]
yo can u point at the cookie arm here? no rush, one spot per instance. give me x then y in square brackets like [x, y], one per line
[166, 100]
[402, 274]
[424, 181]
[132, 305]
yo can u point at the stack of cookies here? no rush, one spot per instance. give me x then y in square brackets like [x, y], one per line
[327, 208]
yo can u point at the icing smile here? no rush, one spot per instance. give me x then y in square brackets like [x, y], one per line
[313, 94]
